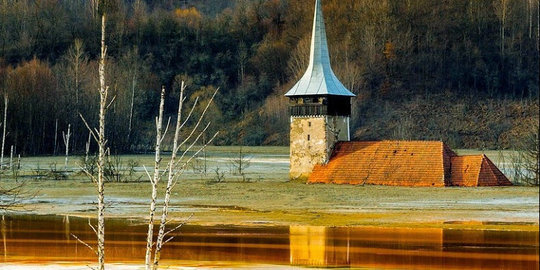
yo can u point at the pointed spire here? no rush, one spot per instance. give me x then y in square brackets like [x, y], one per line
[319, 78]
[319, 45]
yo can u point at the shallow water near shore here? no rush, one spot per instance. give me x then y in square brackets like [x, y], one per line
[33, 240]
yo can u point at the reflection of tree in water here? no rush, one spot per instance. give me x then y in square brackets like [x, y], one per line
[65, 220]
[4, 231]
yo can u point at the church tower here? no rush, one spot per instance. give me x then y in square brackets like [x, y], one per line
[320, 107]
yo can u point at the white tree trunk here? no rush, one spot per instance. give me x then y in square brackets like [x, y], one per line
[66, 137]
[101, 155]
[164, 213]
[133, 83]
[154, 181]
[4, 131]
[87, 148]
[11, 158]
[55, 136]
[173, 171]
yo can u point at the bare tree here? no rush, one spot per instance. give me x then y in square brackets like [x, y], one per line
[529, 156]
[11, 158]
[55, 135]
[135, 65]
[240, 163]
[99, 136]
[14, 194]
[66, 137]
[94, 7]
[4, 125]
[155, 179]
[300, 58]
[103, 91]
[75, 58]
[501, 10]
[87, 148]
[243, 58]
[174, 168]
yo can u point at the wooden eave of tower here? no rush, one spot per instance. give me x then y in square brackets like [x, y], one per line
[319, 78]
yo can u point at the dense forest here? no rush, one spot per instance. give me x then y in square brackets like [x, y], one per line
[462, 71]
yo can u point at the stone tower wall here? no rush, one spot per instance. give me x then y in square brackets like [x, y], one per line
[312, 140]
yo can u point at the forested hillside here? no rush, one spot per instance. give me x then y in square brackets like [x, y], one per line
[462, 71]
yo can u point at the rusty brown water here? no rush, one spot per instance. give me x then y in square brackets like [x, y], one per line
[47, 239]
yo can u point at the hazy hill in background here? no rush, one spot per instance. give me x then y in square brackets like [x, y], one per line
[465, 72]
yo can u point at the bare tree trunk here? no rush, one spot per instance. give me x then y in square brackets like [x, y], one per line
[78, 53]
[504, 4]
[66, 136]
[4, 131]
[154, 181]
[172, 167]
[87, 149]
[94, 6]
[11, 158]
[133, 83]
[55, 136]
[103, 91]
[205, 167]
[164, 213]
[537, 25]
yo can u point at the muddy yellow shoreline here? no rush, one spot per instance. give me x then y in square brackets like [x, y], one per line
[264, 196]
[289, 203]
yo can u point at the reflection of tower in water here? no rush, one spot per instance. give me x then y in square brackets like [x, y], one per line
[364, 246]
[320, 246]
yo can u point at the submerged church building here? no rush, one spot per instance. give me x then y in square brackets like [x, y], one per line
[321, 150]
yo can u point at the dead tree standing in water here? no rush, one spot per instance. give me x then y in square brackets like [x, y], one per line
[104, 104]
[4, 125]
[55, 135]
[154, 180]
[103, 91]
[174, 168]
[66, 136]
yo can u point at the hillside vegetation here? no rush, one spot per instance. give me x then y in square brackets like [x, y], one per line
[463, 71]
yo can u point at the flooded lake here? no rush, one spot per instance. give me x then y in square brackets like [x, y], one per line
[47, 239]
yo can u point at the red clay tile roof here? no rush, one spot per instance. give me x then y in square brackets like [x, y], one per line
[397, 163]
[405, 163]
[490, 175]
[477, 170]
[465, 170]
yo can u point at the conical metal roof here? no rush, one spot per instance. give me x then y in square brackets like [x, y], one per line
[319, 78]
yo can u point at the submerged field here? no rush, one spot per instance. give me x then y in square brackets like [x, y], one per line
[263, 195]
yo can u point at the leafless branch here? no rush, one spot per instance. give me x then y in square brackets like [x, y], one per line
[89, 128]
[111, 102]
[92, 177]
[92, 226]
[167, 241]
[84, 243]
[148, 174]
[179, 225]
[197, 153]
[193, 143]
[190, 113]
[14, 195]
[200, 119]
[166, 130]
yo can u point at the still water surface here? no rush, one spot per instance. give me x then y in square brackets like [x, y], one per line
[47, 239]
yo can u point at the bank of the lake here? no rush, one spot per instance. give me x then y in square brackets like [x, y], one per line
[264, 196]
